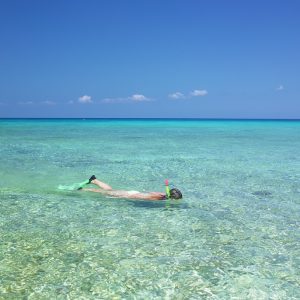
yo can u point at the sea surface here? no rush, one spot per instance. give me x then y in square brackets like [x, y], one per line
[234, 235]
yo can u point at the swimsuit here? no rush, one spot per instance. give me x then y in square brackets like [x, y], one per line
[133, 192]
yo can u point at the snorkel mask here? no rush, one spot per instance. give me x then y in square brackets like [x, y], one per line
[173, 193]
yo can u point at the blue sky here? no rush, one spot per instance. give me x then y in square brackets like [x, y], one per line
[135, 58]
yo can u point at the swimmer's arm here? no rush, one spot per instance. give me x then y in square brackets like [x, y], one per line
[154, 196]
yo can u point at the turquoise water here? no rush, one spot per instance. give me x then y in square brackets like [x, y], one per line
[234, 235]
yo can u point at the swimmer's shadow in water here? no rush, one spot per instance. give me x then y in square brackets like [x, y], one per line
[159, 204]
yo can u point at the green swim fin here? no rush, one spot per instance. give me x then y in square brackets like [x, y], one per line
[74, 186]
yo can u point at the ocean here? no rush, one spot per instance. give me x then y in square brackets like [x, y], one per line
[234, 235]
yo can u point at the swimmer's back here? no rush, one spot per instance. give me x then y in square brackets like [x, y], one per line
[135, 195]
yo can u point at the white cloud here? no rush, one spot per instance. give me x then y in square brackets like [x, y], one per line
[176, 95]
[114, 100]
[198, 93]
[48, 102]
[138, 98]
[280, 88]
[85, 99]
[194, 93]
[134, 98]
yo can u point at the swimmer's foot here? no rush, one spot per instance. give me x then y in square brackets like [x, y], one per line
[92, 178]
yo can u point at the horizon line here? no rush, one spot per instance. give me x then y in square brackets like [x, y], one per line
[147, 118]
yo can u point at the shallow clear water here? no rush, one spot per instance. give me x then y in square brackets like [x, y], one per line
[234, 235]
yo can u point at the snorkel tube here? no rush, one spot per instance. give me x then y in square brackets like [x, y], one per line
[167, 189]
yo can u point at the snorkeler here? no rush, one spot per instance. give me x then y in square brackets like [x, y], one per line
[109, 191]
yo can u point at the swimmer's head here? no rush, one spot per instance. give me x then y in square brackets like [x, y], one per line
[175, 194]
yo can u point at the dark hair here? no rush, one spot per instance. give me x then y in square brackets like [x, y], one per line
[175, 194]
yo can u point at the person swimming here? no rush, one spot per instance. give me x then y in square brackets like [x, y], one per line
[109, 191]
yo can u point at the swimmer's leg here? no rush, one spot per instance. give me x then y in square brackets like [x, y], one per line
[101, 184]
[93, 190]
